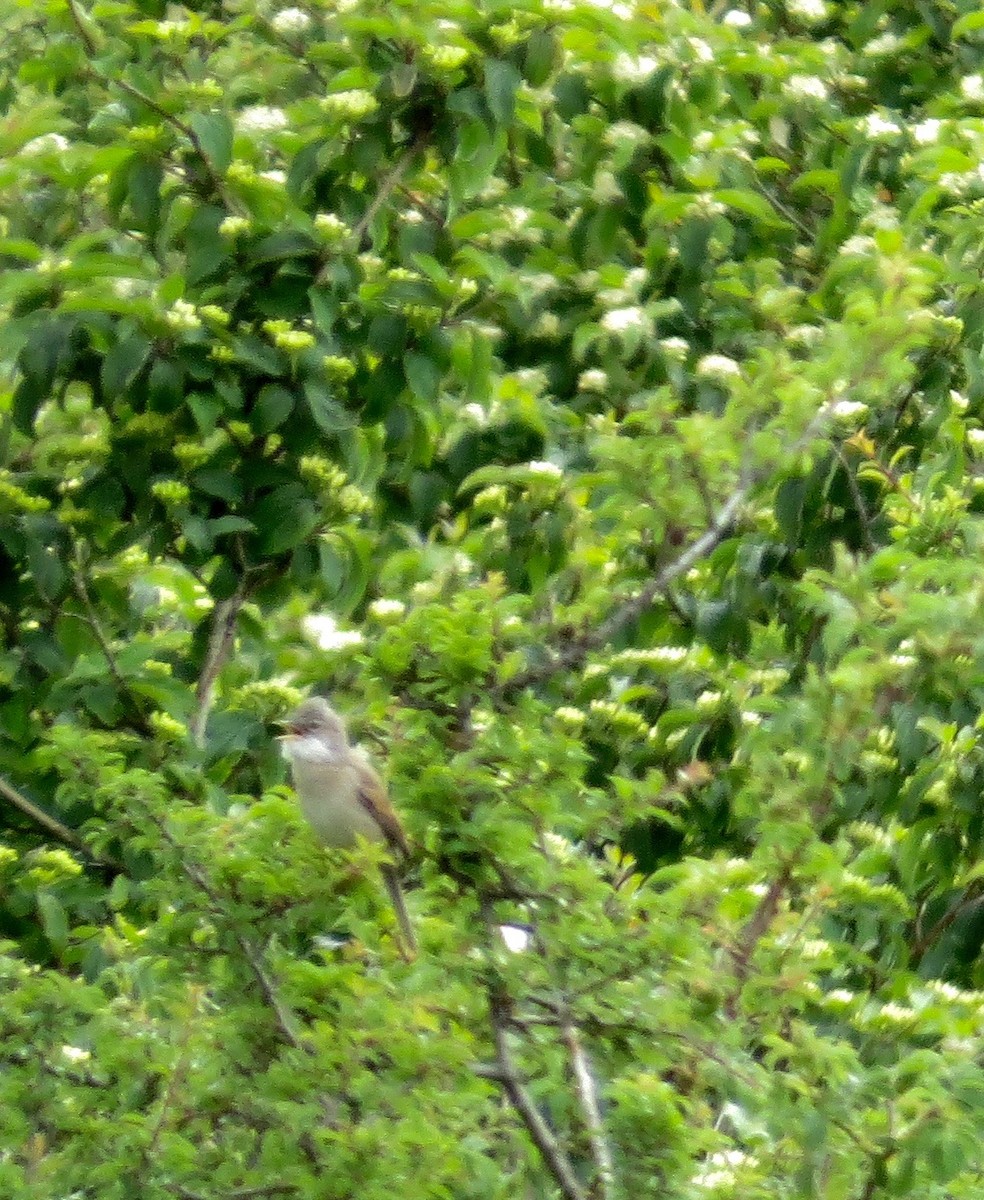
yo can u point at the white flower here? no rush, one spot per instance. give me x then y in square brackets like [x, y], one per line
[290, 20]
[45, 144]
[718, 366]
[840, 996]
[886, 43]
[622, 320]
[810, 11]
[897, 1013]
[876, 126]
[234, 226]
[847, 410]
[446, 58]
[262, 118]
[516, 217]
[278, 177]
[806, 87]
[545, 468]
[75, 1053]
[169, 29]
[736, 19]
[702, 51]
[625, 133]
[516, 938]
[628, 68]
[972, 87]
[387, 608]
[719, 1169]
[323, 629]
[675, 348]
[976, 439]
[593, 380]
[858, 244]
[570, 716]
[330, 226]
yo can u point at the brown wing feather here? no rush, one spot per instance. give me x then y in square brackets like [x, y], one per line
[372, 795]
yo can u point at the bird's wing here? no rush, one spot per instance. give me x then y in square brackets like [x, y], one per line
[372, 796]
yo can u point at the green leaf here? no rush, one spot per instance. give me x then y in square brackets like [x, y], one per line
[283, 519]
[273, 406]
[970, 23]
[541, 55]
[215, 133]
[54, 919]
[144, 193]
[501, 81]
[328, 414]
[38, 363]
[123, 363]
[165, 386]
[423, 375]
[751, 203]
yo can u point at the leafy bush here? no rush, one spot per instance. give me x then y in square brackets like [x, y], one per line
[589, 396]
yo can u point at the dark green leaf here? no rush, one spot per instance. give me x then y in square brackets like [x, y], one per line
[214, 132]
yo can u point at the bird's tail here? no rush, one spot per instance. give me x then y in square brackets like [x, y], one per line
[407, 939]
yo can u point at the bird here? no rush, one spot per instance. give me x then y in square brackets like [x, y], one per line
[343, 798]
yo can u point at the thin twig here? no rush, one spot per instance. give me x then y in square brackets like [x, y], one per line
[755, 929]
[62, 832]
[219, 645]
[971, 899]
[383, 193]
[575, 653]
[587, 1094]
[92, 620]
[182, 127]
[859, 504]
[551, 1151]
[87, 39]
[285, 1021]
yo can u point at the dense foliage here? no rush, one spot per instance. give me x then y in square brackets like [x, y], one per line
[589, 397]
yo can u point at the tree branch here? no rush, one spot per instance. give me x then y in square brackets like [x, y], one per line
[552, 1153]
[587, 1094]
[578, 648]
[219, 645]
[575, 653]
[62, 832]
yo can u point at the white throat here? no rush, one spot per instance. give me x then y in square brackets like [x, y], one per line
[308, 748]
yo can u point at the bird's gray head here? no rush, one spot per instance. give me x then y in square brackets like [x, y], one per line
[317, 718]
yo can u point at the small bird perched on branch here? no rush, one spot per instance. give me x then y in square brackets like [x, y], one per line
[343, 798]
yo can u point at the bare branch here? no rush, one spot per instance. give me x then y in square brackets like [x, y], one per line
[219, 645]
[383, 193]
[84, 33]
[92, 620]
[577, 649]
[862, 509]
[62, 832]
[574, 654]
[587, 1094]
[755, 929]
[552, 1153]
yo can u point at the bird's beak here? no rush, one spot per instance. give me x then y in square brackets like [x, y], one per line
[288, 730]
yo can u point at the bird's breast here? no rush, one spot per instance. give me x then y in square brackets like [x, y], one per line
[328, 789]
